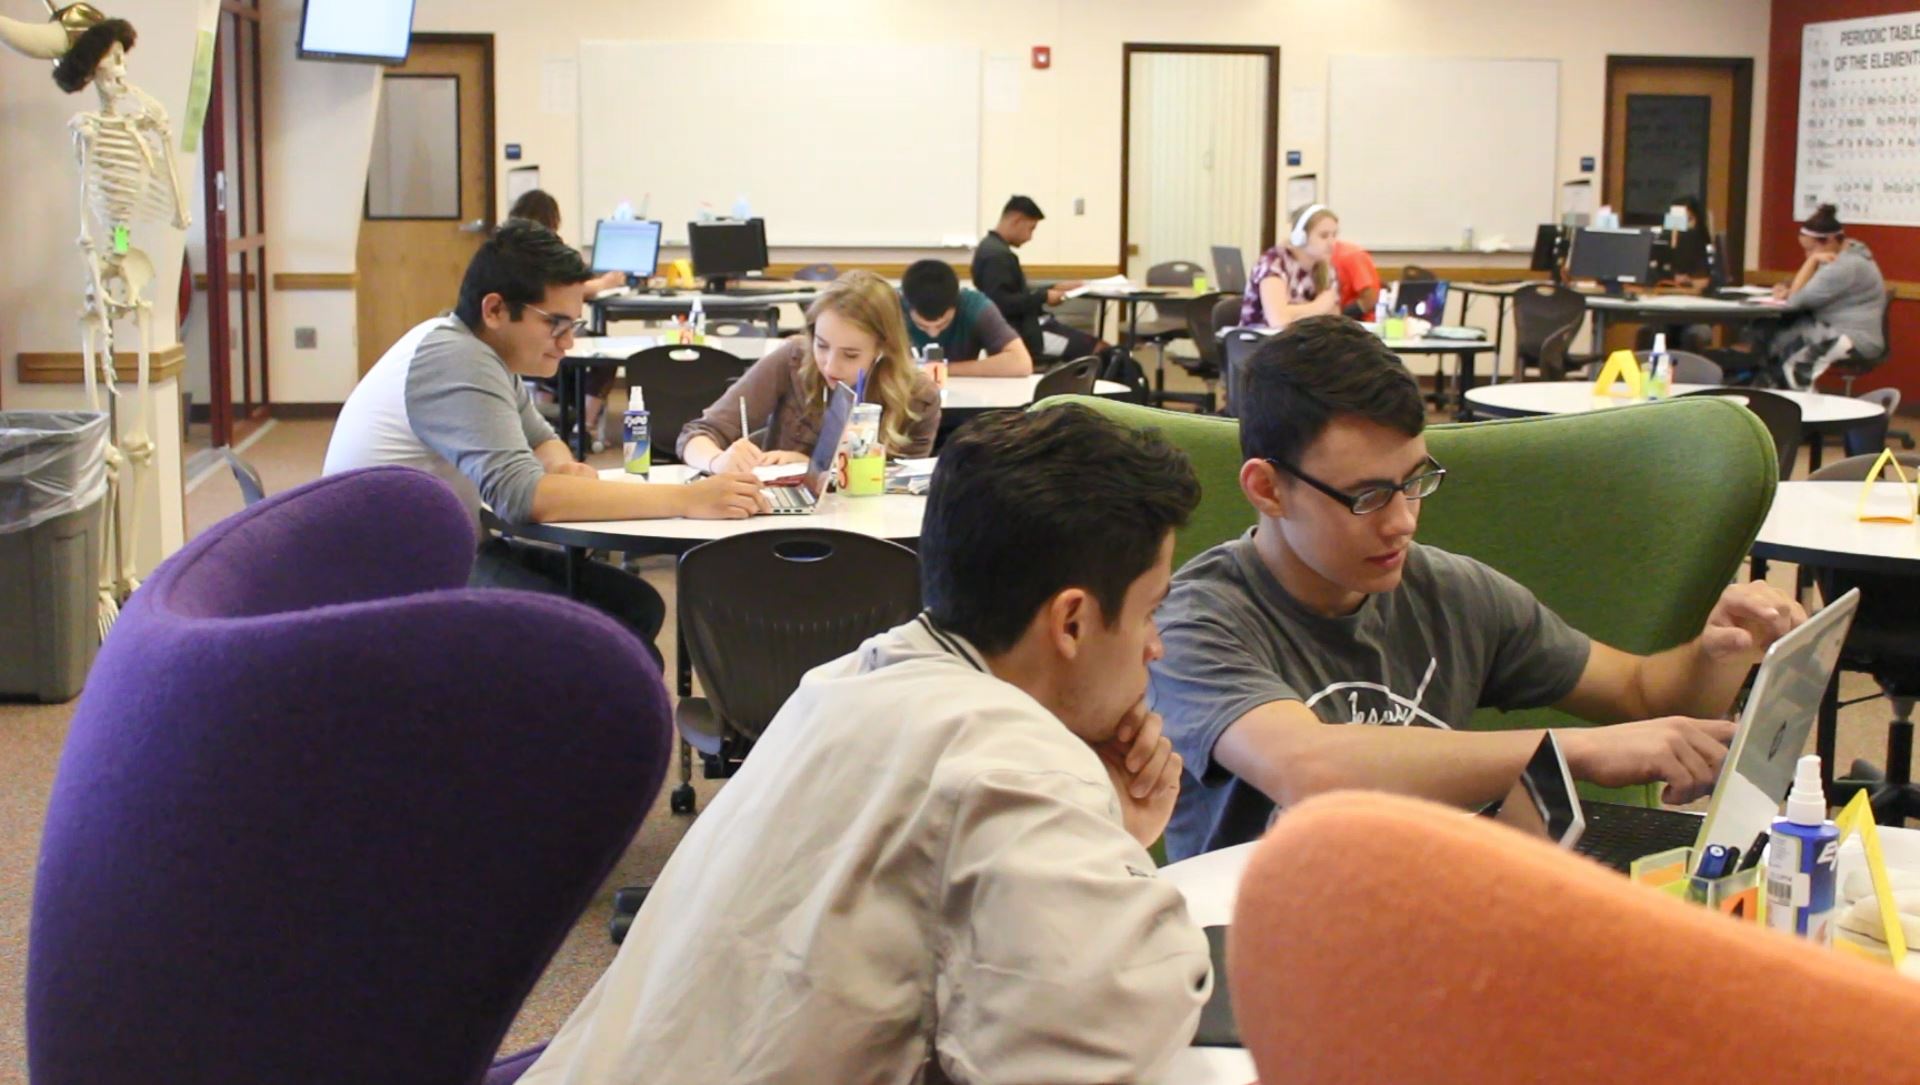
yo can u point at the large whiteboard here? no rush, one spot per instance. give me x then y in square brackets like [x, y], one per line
[834, 145]
[1420, 148]
[1860, 120]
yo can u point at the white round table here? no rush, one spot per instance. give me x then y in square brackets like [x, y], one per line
[894, 517]
[1817, 523]
[1819, 412]
[1210, 883]
[1004, 393]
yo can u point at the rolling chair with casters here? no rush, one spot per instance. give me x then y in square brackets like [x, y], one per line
[1857, 363]
[1160, 330]
[757, 612]
[1200, 314]
[1075, 378]
[252, 490]
[1885, 644]
[680, 383]
[1546, 320]
[1236, 346]
[1414, 273]
[1779, 414]
[1868, 438]
[817, 273]
[738, 329]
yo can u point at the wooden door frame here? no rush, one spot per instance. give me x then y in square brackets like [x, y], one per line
[1741, 68]
[249, 190]
[1270, 168]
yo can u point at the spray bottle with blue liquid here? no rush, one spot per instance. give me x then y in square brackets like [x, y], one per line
[1802, 860]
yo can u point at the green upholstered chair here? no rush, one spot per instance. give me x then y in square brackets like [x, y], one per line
[1627, 522]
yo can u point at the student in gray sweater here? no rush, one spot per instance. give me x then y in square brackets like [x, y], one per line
[1838, 297]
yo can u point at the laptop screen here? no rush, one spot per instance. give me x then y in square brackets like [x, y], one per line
[629, 245]
[824, 464]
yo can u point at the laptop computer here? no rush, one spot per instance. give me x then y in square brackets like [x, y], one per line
[1424, 298]
[823, 468]
[1758, 771]
[1229, 269]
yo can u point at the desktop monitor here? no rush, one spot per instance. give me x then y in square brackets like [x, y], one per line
[378, 31]
[629, 245]
[727, 250]
[1612, 256]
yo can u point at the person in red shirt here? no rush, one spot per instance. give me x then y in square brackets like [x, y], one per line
[1359, 280]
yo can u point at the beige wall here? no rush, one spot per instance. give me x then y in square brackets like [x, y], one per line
[1063, 144]
[41, 274]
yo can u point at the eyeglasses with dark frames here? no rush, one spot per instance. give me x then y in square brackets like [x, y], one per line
[1374, 498]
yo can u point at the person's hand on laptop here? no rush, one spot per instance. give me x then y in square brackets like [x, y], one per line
[1145, 773]
[1747, 620]
[1683, 753]
[724, 497]
[776, 459]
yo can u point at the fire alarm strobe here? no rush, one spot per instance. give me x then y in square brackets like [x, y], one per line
[1043, 57]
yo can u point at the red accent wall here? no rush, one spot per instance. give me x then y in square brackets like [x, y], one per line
[1896, 248]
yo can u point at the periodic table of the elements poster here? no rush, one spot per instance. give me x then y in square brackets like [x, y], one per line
[1860, 120]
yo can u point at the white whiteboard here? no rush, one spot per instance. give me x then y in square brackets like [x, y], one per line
[834, 145]
[1860, 120]
[1419, 148]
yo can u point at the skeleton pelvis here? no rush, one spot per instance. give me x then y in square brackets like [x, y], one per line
[126, 277]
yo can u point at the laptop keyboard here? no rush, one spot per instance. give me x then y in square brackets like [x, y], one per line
[1617, 834]
[789, 500]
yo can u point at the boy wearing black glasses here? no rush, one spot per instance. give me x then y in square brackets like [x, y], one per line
[1329, 613]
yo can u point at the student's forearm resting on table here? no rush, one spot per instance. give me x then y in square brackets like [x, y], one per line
[1287, 752]
[570, 497]
[1013, 361]
[553, 454]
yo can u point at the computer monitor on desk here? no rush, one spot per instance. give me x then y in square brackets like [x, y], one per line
[727, 250]
[1613, 257]
[629, 245]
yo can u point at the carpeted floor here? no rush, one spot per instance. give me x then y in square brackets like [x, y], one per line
[286, 455]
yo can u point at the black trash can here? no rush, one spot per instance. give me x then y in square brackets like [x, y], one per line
[53, 489]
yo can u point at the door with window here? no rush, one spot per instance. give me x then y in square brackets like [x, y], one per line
[1677, 127]
[430, 199]
[233, 184]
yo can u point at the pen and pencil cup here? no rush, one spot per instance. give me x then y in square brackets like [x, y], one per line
[866, 457]
[1736, 894]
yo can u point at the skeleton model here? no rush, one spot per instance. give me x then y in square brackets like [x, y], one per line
[127, 175]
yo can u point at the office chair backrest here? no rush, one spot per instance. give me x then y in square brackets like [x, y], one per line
[679, 384]
[1201, 313]
[1531, 497]
[1531, 959]
[1688, 367]
[1075, 378]
[817, 273]
[1174, 273]
[1226, 313]
[761, 609]
[245, 476]
[736, 329]
[1546, 318]
[1414, 273]
[1779, 414]
[1236, 346]
[303, 829]
[1869, 437]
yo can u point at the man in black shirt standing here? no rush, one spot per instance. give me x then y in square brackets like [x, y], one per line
[998, 275]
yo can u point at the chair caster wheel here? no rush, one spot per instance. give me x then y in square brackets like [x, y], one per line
[682, 800]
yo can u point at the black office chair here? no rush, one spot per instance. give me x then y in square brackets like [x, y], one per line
[1074, 378]
[1204, 365]
[1546, 320]
[1870, 437]
[1779, 414]
[679, 383]
[737, 329]
[1159, 329]
[1884, 643]
[244, 474]
[759, 610]
[1236, 346]
[817, 273]
[1414, 273]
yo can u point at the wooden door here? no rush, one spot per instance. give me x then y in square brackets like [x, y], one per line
[1679, 126]
[429, 200]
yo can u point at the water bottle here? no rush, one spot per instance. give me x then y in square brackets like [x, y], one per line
[697, 322]
[636, 436]
[1660, 377]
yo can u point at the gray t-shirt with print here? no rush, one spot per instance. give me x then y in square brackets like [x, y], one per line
[1454, 636]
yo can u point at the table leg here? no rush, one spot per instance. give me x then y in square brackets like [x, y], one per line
[563, 396]
[1464, 381]
[1826, 732]
[576, 565]
[1500, 336]
[1816, 443]
[582, 444]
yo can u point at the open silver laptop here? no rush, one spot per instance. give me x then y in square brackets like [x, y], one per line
[823, 467]
[1758, 771]
[1229, 269]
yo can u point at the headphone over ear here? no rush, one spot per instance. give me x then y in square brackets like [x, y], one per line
[1299, 235]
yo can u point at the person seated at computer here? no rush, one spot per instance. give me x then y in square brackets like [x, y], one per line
[1359, 279]
[997, 273]
[1328, 613]
[538, 205]
[1690, 243]
[855, 336]
[934, 866]
[448, 399]
[1295, 278]
[976, 339]
[1839, 296]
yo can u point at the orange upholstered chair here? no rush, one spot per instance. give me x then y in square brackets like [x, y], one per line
[1384, 939]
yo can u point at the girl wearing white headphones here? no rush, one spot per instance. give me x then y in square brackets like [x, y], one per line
[1295, 279]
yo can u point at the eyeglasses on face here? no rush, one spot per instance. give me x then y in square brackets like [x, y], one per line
[1422, 484]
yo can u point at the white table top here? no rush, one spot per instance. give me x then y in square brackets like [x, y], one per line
[1681, 303]
[1211, 882]
[623, 347]
[771, 296]
[1432, 345]
[889, 516]
[1576, 397]
[1809, 520]
[993, 393]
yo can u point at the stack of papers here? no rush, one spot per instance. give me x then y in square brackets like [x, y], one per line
[1111, 282]
[910, 476]
[768, 472]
